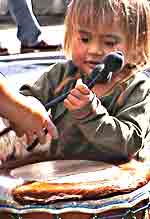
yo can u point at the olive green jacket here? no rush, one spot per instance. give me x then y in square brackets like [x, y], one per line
[116, 130]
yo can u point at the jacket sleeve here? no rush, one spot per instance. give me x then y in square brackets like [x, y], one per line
[123, 132]
[43, 88]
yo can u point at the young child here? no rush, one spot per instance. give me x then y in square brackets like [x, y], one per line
[110, 121]
[92, 124]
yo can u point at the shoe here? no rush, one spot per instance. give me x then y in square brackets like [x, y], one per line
[3, 51]
[42, 46]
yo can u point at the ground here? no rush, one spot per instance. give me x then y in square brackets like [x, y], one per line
[52, 31]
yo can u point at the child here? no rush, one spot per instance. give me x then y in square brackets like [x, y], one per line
[110, 121]
[88, 127]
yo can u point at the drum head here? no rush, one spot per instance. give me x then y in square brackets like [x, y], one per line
[70, 171]
[62, 171]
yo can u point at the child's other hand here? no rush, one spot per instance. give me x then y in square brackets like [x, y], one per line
[34, 123]
[78, 97]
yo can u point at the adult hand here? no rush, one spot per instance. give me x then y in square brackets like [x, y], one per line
[33, 120]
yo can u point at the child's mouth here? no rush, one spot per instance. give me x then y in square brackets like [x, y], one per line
[91, 64]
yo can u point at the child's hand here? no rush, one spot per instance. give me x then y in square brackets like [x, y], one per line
[78, 97]
[33, 121]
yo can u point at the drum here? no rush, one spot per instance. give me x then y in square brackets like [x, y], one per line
[126, 205]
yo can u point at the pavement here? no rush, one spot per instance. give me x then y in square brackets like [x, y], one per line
[24, 68]
[52, 31]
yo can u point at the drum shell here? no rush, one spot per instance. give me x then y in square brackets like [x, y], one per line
[142, 214]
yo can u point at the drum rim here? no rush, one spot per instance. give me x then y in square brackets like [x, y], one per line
[126, 201]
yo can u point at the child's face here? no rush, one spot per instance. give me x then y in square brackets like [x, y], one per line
[89, 47]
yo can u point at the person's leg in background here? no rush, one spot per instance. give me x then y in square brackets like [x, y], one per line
[29, 30]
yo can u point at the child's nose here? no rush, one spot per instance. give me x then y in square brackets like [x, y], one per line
[96, 48]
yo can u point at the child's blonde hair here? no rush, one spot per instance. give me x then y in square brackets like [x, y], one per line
[133, 17]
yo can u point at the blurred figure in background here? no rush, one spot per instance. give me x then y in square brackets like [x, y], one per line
[28, 28]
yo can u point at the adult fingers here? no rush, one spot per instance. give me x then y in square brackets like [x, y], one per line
[41, 135]
[52, 130]
[30, 137]
[17, 130]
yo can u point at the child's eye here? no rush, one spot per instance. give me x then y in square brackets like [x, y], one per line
[110, 43]
[85, 39]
